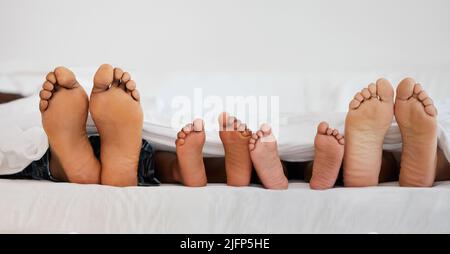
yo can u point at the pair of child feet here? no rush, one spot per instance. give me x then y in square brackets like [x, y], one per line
[368, 120]
[243, 151]
[114, 107]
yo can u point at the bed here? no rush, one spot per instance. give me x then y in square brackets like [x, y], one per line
[44, 207]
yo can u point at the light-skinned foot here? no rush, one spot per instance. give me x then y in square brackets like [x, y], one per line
[118, 116]
[264, 154]
[64, 108]
[369, 117]
[416, 118]
[328, 156]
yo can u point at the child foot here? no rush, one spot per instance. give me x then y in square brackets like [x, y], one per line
[117, 113]
[64, 108]
[264, 154]
[235, 137]
[189, 146]
[329, 153]
[368, 120]
[416, 118]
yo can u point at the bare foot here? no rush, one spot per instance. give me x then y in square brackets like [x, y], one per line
[117, 113]
[264, 154]
[416, 117]
[329, 153]
[189, 147]
[368, 120]
[64, 107]
[235, 137]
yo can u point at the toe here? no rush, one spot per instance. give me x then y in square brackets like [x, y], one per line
[126, 77]
[48, 86]
[422, 96]
[118, 73]
[366, 93]
[260, 134]
[385, 90]
[130, 85]
[417, 89]
[339, 137]
[188, 128]
[65, 77]
[255, 137]
[335, 132]
[179, 142]
[242, 127]
[329, 131]
[354, 104]
[103, 78]
[136, 95]
[405, 89]
[45, 95]
[51, 77]
[341, 141]
[373, 90]
[431, 110]
[322, 128]
[198, 125]
[252, 140]
[181, 134]
[359, 97]
[43, 105]
[427, 102]
[266, 129]
[251, 147]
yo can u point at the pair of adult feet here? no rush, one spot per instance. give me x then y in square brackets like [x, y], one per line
[370, 115]
[114, 107]
[243, 150]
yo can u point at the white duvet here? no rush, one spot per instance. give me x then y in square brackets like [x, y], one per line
[305, 100]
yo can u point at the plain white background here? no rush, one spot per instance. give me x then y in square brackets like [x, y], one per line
[232, 35]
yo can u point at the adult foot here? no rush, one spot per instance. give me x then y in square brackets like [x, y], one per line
[416, 118]
[235, 137]
[264, 154]
[328, 156]
[189, 147]
[368, 120]
[64, 108]
[117, 113]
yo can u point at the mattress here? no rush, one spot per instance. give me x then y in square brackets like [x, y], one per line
[45, 207]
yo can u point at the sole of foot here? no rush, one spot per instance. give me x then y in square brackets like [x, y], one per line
[189, 147]
[235, 138]
[328, 156]
[64, 108]
[369, 117]
[416, 118]
[264, 154]
[117, 114]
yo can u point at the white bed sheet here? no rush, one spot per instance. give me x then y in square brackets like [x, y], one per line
[45, 207]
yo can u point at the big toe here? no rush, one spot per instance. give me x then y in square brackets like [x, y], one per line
[322, 128]
[385, 90]
[406, 89]
[103, 77]
[65, 77]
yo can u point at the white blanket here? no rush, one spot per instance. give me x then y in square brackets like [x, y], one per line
[305, 100]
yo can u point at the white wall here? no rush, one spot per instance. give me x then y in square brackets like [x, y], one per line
[269, 44]
[227, 35]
